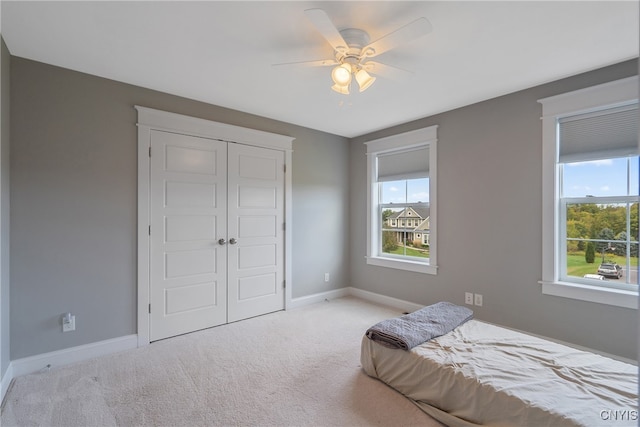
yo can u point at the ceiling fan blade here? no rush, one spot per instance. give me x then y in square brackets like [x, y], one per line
[384, 70]
[317, 63]
[325, 26]
[411, 31]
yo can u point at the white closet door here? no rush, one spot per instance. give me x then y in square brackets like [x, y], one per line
[188, 289]
[256, 225]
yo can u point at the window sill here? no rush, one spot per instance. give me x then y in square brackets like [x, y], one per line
[416, 267]
[615, 297]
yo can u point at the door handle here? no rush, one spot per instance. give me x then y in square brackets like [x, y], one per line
[232, 241]
[222, 242]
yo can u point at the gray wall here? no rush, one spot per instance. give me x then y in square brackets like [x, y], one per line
[5, 62]
[320, 216]
[73, 211]
[489, 222]
[73, 203]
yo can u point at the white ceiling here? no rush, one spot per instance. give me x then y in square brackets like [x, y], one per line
[222, 52]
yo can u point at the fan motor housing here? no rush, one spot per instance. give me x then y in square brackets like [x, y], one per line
[356, 39]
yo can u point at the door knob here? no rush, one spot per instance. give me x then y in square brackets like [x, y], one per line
[232, 241]
[222, 242]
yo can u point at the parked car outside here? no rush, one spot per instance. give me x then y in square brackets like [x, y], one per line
[610, 269]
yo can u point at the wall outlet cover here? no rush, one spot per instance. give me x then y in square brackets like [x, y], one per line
[70, 325]
[478, 300]
[468, 298]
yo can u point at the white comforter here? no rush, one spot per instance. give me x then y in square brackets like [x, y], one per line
[481, 374]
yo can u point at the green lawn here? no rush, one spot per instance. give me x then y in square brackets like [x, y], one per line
[423, 253]
[577, 266]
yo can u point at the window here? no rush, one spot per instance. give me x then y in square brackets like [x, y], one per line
[590, 194]
[401, 201]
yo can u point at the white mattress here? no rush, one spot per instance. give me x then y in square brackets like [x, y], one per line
[482, 374]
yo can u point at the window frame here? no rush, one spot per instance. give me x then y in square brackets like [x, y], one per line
[595, 98]
[425, 137]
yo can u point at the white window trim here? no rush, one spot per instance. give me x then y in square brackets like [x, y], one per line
[413, 139]
[612, 94]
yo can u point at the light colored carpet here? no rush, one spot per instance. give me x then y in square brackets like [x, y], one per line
[295, 368]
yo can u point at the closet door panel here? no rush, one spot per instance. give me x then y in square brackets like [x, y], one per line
[256, 223]
[188, 287]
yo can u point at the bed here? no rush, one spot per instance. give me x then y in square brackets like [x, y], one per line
[482, 374]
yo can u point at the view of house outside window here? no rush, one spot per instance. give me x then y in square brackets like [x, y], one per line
[599, 209]
[401, 201]
[404, 217]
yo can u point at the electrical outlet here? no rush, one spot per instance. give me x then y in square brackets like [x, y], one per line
[68, 323]
[477, 299]
[326, 277]
[468, 298]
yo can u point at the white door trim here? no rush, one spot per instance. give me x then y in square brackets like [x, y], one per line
[149, 119]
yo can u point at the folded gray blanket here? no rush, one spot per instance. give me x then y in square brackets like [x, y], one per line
[415, 328]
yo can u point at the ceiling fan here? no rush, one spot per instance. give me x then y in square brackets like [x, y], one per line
[353, 50]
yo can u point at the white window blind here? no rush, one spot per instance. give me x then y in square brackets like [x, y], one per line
[409, 164]
[599, 135]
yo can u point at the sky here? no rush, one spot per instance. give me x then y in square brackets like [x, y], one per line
[410, 191]
[601, 178]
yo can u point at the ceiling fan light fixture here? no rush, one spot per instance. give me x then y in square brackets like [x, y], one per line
[341, 75]
[343, 89]
[352, 49]
[364, 80]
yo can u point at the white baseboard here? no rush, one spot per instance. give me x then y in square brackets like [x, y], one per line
[81, 353]
[410, 307]
[312, 299]
[67, 356]
[385, 300]
[6, 381]
[358, 293]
